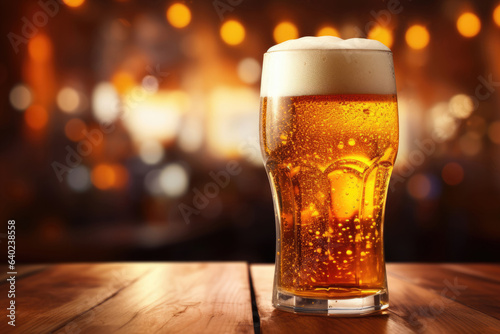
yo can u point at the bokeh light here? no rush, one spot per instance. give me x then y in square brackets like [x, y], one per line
[249, 70]
[79, 179]
[74, 3]
[20, 97]
[174, 180]
[381, 34]
[328, 31]
[152, 182]
[123, 81]
[105, 102]
[40, 48]
[444, 124]
[103, 176]
[178, 15]
[74, 129]
[476, 125]
[452, 173]
[417, 37]
[154, 116]
[232, 120]
[470, 144]
[36, 117]
[68, 100]
[107, 176]
[151, 152]
[285, 31]
[468, 24]
[150, 84]
[461, 106]
[494, 132]
[419, 186]
[191, 135]
[232, 32]
[496, 15]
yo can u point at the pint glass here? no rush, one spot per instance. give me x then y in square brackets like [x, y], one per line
[329, 139]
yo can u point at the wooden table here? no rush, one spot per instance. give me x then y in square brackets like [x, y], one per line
[236, 298]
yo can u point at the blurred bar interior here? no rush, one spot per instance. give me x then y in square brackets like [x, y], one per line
[153, 106]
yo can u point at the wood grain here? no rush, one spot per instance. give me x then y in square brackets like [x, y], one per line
[215, 298]
[276, 321]
[413, 308]
[429, 310]
[477, 292]
[50, 298]
[23, 271]
[176, 298]
[486, 271]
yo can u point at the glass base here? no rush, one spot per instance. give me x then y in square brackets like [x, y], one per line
[352, 307]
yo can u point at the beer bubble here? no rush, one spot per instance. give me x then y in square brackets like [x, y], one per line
[352, 142]
[348, 252]
[341, 145]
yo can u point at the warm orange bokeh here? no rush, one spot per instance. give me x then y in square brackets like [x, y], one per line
[496, 15]
[381, 34]
[328, 31]
[468, 24]
[285, 31]
[417, 37]
[74, 129]
[123, 81]
[178, 15]
[232, 32]
[74, 3]
[107, 176]
[36, 117]
[452, 173]
[40, 48]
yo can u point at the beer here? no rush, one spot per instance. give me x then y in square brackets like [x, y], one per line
[329, 142]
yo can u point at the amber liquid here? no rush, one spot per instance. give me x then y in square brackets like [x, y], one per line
[329, 159]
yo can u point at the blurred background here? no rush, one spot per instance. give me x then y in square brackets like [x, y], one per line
[129, 129]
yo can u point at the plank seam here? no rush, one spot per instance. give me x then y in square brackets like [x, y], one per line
[255, 310]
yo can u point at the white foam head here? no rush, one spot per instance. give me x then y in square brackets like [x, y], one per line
[328, 65]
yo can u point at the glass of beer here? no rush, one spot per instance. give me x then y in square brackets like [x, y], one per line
[329, 139]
